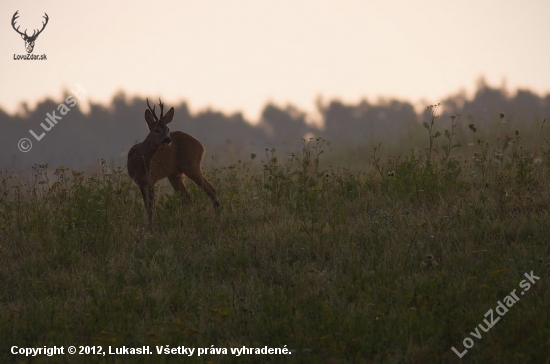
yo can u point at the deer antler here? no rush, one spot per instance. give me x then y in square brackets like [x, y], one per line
[161, 108]
[152, 110]
[15, 16]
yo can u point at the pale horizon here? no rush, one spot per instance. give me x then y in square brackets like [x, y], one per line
[238, 56]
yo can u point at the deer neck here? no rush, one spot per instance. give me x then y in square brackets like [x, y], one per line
[148, 148]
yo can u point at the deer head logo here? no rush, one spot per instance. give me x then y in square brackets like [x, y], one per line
[29, 40]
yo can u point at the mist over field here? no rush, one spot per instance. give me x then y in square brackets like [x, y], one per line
[79, 139]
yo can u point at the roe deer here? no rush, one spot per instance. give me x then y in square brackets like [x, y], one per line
[166, 154]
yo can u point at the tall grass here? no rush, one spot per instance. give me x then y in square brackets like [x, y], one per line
[395, 263]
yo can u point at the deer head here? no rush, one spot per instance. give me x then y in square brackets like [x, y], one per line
[29, 40]
[158, 126]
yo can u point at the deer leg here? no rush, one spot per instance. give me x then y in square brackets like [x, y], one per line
[176, 180]
[203, 183]
[148, 193]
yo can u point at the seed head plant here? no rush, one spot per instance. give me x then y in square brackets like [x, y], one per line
[432, 111]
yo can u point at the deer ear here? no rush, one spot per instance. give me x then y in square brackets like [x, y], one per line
[149, 118]
[169, 115]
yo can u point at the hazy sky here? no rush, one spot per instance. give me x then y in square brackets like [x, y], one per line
[238, 54]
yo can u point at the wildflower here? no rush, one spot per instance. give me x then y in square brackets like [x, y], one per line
[391, 174]
[501, 116]
[472, 127]
[517, 132]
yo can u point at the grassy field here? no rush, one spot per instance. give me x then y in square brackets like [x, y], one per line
[396, 263]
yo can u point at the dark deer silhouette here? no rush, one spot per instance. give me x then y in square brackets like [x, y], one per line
[29, 40]
[166, 154]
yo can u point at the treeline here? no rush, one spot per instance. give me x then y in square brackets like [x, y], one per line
[79, 139]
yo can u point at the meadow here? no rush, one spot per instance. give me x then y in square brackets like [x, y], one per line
[396, 260]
